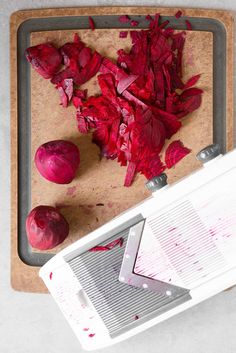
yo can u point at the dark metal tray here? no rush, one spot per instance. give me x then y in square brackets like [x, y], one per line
[24, 104]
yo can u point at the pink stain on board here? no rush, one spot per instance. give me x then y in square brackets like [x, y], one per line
[50, 276]
[91, 335]
[85, 329]
[71, 191]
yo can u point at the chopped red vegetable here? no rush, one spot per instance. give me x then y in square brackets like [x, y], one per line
[124, 19]
[148, 18]
[91, 23]
[123, 34]
[178, 14]
[134, 23]
[109, 246]
[44, 58]
[175, 152]
[143, 96]
[188, 25]
[58, 161]
[46, 228]
[192, 81]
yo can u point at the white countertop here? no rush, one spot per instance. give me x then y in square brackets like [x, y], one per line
[32, 323]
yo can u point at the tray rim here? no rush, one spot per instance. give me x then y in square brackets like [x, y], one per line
[18, 18]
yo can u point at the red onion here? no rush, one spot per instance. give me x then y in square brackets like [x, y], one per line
[46, 227]
[58, 161]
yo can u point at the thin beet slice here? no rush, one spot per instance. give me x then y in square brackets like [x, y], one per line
[109, 246]
[188, 25]
[175, 152]
[91, 23]
[192, 81]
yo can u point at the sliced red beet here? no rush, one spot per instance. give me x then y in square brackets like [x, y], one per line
[91, 23]
[148, 18]
[123, 34]
[44, 58]
[178, 14]
[192, 81]
[188, 25]
[134, 23]
[142, 98]
[124, 19]
[82, 76]
[175, 152]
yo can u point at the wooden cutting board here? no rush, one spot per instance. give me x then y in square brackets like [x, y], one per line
[97, 194]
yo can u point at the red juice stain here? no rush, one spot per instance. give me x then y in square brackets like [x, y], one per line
[50, 276]
[91, 335]
[85, 329]
[71, 191]
[110, 204]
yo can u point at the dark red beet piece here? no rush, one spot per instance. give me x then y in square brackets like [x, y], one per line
[123, 34]
[188, 25]
[44, 58]
[124, 19]
[178, 14]
[134, 23]
[91, 23]
[175, 152]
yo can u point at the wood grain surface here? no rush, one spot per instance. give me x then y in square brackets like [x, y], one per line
[100, 182]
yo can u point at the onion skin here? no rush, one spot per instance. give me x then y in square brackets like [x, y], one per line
[58, 161]
[46, 227]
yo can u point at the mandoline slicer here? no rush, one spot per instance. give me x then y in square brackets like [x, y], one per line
[179, 248]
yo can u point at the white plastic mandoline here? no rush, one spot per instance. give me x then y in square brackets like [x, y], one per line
[179, 249]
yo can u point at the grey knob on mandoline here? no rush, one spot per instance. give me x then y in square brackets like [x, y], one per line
[208, 153]
[157, 182]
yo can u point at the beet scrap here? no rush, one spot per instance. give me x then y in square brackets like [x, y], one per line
[188, 25]
[124, 19]
[91, 23]
[134, 23]
[178, 14]
[109, 246]
[175, 152]
[123, 34]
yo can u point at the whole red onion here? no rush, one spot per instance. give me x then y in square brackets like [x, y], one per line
[45, 59]
[58, 161]
[46, 227]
